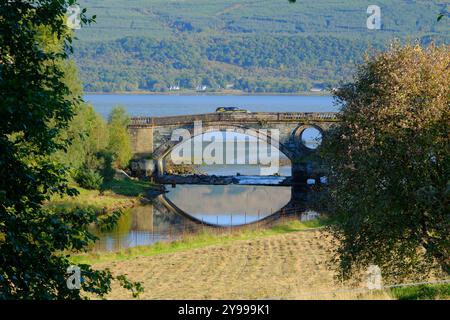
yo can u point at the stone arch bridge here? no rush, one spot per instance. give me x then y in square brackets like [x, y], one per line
[151, 136]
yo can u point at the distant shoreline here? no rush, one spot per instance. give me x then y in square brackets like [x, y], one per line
[212, 93]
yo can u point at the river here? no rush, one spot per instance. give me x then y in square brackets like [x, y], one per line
[152, 105]
[215, 206]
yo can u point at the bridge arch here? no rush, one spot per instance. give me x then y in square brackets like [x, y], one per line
[300, 130]
[166, 148]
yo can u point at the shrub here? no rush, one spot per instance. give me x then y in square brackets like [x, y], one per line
[119, 139]
[89, 179]
[106, 168]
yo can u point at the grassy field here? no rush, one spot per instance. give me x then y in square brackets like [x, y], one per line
[287, 261]
[118, 194]
[280, 266]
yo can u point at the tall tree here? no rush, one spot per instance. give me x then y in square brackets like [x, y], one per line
[119, 139]
[88, 135]
[35, 106]
[390, 164]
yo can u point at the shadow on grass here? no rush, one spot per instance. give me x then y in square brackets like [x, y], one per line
[128, 187]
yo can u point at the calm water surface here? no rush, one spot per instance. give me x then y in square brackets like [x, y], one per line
[225, 206]
[229, 205]
[170, 105]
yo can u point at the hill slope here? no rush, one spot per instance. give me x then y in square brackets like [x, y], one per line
[254, 46]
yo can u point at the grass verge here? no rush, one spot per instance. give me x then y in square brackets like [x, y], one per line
[202, 239]
[117, 194]
[129, 188]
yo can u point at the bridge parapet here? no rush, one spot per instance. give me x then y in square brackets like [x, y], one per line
[235, 117]
[310, 116]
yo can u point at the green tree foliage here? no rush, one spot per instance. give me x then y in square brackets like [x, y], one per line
[119, 140]
[93, 151]
[254, 47]
[263, 63]
[251, 63]
[88, 134]
[389, 162]
[36, 105]
[89, 179]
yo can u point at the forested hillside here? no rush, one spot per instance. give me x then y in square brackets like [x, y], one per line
[254, 46]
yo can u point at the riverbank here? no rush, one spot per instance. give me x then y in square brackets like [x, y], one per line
[214, 93]
[203, 239]
[117, 195]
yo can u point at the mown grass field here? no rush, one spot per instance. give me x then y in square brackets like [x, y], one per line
[287, 261]
[282, 266]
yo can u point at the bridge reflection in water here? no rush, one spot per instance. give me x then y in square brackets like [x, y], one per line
[229, 205]
[185, 207]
